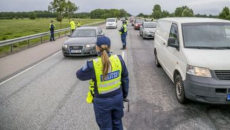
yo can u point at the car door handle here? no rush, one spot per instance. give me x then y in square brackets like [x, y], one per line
[163, 43]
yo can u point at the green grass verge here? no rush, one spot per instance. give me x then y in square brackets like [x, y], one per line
[15, 28]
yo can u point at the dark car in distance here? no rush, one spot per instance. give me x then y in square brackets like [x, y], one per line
[82, 42]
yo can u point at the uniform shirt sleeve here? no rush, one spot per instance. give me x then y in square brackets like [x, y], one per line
[124, 78]
[86, 72]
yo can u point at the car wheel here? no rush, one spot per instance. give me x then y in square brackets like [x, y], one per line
[156, 61]
[143, 36]
[140, 34]
[179, 87]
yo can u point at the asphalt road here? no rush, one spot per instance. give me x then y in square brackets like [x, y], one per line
[49, 97]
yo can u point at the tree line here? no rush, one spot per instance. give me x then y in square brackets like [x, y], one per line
[95, 14]
[183, 11]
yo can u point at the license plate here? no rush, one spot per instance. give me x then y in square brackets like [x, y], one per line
[228, 98]
[75, 51]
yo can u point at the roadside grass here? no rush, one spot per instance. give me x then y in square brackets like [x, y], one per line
[10, 29]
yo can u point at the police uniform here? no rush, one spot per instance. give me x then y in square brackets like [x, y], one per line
[108, 95]
[123, 33]
[52, 27]
[72, 26]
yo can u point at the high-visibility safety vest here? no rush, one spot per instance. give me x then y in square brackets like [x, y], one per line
[127, 21]
[112, 81]
[78, 24]
[72, 25]
[125, 29]
[51, 26]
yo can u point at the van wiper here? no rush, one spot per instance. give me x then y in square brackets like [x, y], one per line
[202, 47]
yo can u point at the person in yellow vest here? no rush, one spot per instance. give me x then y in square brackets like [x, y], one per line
[109, 85]
[123, 33]
[78, 24]
[72, 26]
[52, 28]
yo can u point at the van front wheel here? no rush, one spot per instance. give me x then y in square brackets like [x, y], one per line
[157, 62]
[179, 87]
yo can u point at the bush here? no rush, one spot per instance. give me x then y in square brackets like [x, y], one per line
[33, 15]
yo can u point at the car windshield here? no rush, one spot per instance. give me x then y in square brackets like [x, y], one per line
[111, 20]
[84, 33]
[150, 25]
[207, 35]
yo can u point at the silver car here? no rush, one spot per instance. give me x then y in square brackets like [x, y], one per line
[82, 42]
[147, 30]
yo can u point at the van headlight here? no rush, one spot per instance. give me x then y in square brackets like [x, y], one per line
[198, 71]
[90, 45]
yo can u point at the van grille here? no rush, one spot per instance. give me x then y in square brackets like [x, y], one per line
[223, 74]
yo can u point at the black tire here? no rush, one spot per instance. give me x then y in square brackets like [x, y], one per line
[179, 89]
[140, 34]
[156, 61]
[65, 56]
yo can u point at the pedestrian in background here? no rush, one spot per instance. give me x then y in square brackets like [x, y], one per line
[109, 84]
[72, 26]
[78, 24]
[52, 27]
[123, 33]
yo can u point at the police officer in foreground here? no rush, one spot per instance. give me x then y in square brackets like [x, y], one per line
[109, 84]
[123, 33]
[72, 26]
[52, 27]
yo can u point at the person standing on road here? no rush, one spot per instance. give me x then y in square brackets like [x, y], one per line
[78, 24]
[52, 27]
[127, 21]
[109, 84]
[123, 33]
[72, 26]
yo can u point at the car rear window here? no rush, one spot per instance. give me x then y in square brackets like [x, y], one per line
[84, 33]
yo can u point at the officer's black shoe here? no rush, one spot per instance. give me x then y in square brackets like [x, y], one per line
[123, 47]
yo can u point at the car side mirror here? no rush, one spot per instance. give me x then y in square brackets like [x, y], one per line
[171, 43]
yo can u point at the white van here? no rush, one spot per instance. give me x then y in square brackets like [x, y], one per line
[195, 54]
[111, 23]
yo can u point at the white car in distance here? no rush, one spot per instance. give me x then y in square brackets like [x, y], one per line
[111, 23]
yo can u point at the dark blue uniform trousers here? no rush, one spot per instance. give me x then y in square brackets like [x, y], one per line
[52, 36]
[123, 38]
[108, 112]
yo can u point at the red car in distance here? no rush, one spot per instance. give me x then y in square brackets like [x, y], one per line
[138, 23]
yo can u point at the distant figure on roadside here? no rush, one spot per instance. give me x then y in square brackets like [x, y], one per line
[78, 24]
[52, 27]
[72, 26]
[127, 21]
[123, 32]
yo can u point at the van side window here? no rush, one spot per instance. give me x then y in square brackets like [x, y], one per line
[174, 33]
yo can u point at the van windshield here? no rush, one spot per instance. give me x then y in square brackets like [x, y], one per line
[206, 35]
[111, 20]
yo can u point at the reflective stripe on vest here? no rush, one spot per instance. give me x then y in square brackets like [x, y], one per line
[113, 80]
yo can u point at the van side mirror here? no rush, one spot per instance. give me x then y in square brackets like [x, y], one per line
[171, 43]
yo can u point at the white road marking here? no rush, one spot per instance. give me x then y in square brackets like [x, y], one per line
[123, 55]
[29, 68]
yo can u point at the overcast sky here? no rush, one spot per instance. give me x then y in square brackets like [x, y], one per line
[132, 6]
